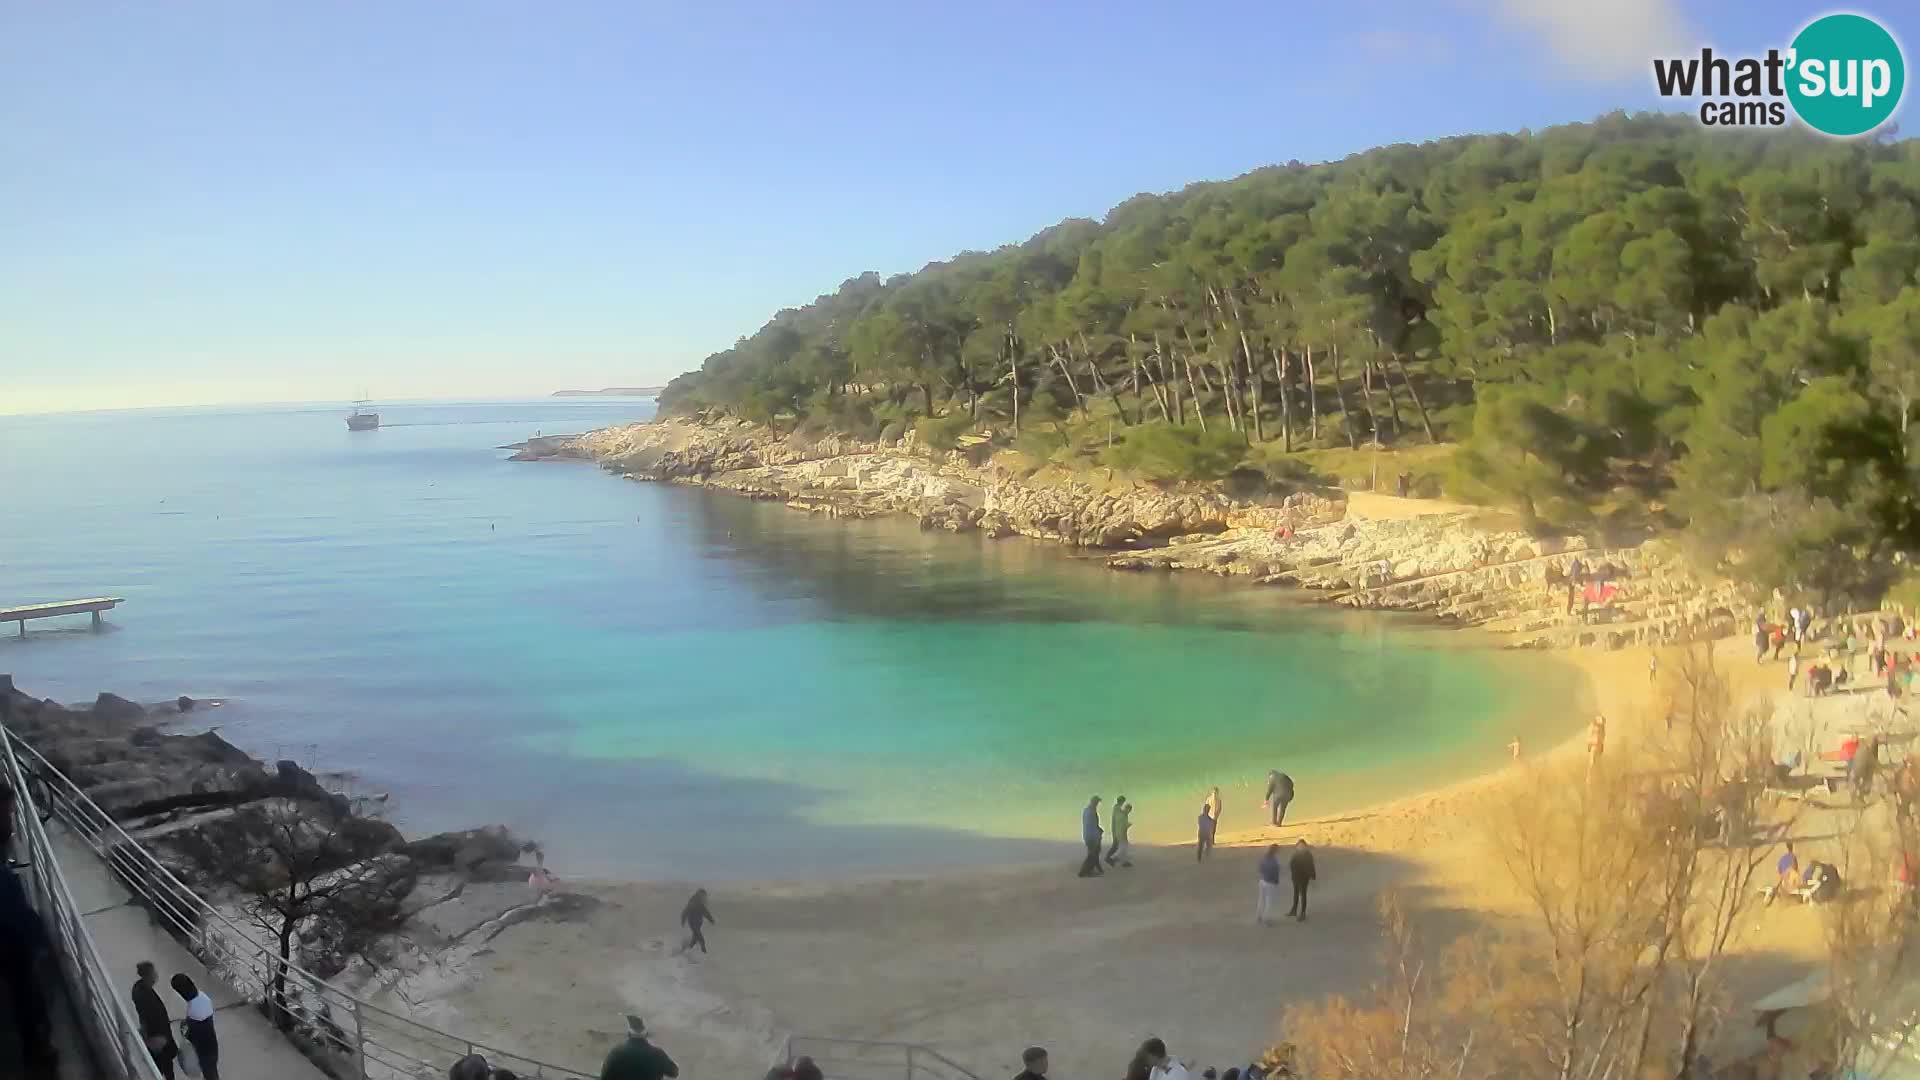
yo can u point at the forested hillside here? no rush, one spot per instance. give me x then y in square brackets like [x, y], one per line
[1627, 324]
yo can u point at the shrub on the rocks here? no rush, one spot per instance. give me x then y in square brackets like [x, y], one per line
[1171, 452]
[943, 432]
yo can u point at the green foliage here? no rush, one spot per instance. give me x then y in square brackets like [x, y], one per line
[943, 432]
[1608, 317]
[1169, 452]
[1904, 593]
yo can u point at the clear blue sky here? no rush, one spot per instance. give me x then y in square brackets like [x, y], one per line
[206, 201]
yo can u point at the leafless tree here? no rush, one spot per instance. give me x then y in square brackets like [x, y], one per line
[305, 869]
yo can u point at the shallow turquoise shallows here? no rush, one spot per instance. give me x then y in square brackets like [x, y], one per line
[662, 682]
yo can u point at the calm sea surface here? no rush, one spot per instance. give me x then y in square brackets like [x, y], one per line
[660, 682]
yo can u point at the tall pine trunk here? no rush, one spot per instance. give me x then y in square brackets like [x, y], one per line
[1393, 399]
[1253, 381]
[1340, 392]
[1313, 400]
[1286, 399]
[1199, 410]
[1013, 378]
[1061, 361]
[1366, 397]
[1425, 422]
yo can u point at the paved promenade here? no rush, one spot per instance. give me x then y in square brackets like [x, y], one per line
[124, 934]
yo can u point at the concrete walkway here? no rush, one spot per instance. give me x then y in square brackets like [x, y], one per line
[125, 934]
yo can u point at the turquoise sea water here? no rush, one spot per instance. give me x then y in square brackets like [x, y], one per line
[657, 681]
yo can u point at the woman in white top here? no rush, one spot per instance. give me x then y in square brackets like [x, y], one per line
[199, 1025]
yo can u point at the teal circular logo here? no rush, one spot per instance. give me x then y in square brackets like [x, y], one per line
[1847, 75]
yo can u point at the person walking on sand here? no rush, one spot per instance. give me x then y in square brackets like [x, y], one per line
[1090, 833]
[1213, 807]
[1205, 842]
[693, 917]
[1793, 670]
[1269, 885]
[199, 1025]
[638, 1059]
[1596, 743]
[1300, 869]
[1279, 794]
[152, 1013]
[1121, 853]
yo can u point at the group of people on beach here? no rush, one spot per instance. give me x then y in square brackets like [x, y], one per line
[1119, 850]
[1300, 867]
[1822, 675]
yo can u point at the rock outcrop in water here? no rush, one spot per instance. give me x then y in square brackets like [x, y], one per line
[1362, 551]
[462, 888]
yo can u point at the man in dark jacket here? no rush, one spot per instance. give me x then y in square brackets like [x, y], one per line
[154, 1026]
[1279, 794]
[1090, 831]
[23, 941]
[638, 1059]
[1300, 868]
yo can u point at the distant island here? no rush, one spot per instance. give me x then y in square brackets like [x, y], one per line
[612, 391]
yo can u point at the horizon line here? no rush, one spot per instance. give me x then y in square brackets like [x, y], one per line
[551, 396]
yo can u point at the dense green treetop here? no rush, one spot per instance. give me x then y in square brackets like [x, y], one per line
[1630, 322]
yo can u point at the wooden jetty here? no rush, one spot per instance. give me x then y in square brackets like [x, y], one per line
[92, 605]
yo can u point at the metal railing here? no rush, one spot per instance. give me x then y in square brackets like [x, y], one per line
[351, 1036]
[112, 1032]
[863, 1059]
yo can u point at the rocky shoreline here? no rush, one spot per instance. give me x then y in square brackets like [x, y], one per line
[1432, 558]
[454, 891]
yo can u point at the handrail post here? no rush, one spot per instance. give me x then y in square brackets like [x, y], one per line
[359, 1040]
[909, 1061]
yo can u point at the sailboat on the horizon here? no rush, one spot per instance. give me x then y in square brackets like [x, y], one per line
[362, 419]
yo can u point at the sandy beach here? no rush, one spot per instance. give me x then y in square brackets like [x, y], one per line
[981, 964]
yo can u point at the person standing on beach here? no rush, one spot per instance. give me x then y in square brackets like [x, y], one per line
[1793, 669]
[1090, 832]
[1596, 743]
[1300, 869]
[1121, 853]
[1279, 794]
[1213, 807]
[694, 915]
[1269, 885]
[1205, 842]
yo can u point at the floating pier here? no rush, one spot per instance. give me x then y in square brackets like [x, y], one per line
[92, 605]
